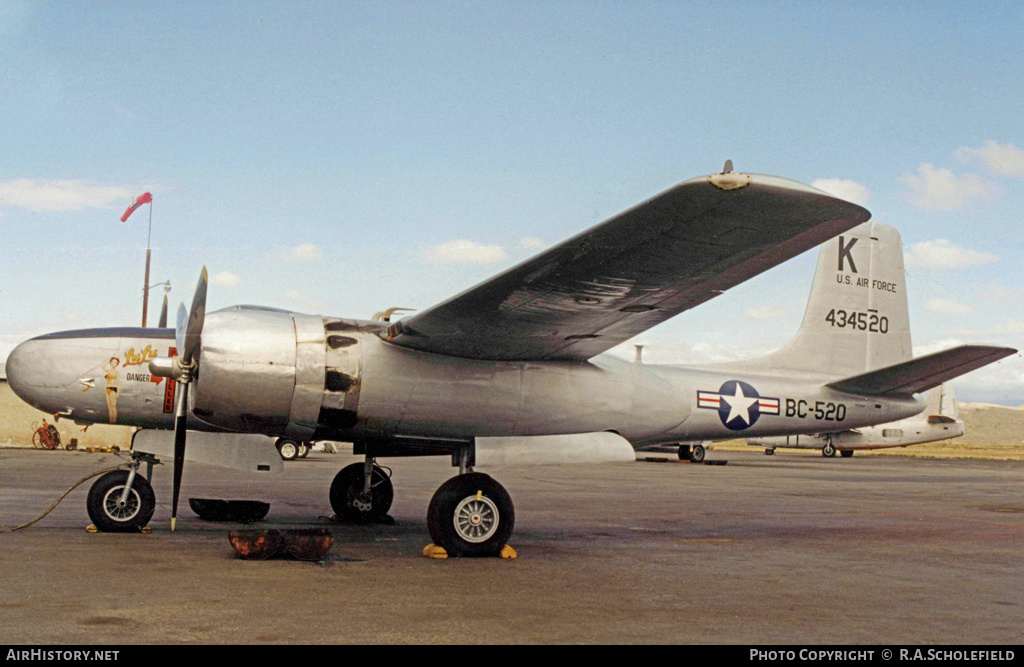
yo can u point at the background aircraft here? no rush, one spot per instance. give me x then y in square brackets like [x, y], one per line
[939, 421]
[519, 356]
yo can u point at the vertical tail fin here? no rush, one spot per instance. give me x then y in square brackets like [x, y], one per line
[941, 402]
[856, 318]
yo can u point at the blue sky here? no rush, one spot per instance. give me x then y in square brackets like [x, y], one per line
[343, 157]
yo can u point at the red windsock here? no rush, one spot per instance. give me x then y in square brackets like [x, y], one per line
[144, 198]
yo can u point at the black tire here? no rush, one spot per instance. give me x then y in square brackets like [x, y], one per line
[697, 454]
[470, 516]
[684, 453]
[829, 450]
[846, 453]
[103, 508]
[288, 448]
[348, 484]
[303, 450]
[769, 452]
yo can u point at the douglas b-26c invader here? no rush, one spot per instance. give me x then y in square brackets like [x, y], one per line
[520, 355]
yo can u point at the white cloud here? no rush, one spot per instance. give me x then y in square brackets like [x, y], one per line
[464, 251]
[307, 252]
[225, 279]
[761, 313]
[61, 196]
[941, 254]
[1010, 329]
[844, 189]
[1004, 160]
[532, 243]
[1000, 293]
[947, 307]
[937, 346]
[940, 189]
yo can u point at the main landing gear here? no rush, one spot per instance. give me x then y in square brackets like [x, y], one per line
[470, 515]
[362, 493]
[695, 453]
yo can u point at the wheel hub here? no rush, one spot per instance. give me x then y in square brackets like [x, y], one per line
[476, 518]
[119, 510]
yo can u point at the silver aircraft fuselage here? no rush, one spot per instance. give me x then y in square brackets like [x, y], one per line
[310, 377]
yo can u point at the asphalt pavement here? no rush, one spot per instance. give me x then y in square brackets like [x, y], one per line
[793, 548]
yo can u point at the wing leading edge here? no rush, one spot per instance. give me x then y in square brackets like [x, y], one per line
[624, 276]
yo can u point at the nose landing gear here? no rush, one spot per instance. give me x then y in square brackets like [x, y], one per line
[122, 501]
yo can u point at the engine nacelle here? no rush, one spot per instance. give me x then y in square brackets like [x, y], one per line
[261, 370]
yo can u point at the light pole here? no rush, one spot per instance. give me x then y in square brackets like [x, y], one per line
[145, 292]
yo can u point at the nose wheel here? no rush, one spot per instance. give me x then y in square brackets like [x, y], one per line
[471, 515]
[121, 502]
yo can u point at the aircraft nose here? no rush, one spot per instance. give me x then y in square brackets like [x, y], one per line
[22, 376]
[34, 375]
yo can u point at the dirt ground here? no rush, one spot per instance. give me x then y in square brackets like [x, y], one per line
[18, 420]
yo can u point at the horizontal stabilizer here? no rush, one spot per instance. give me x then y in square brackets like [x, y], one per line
[940, 419]
[922, 373]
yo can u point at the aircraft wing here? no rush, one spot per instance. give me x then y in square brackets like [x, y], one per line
[922, 373]
[624, 276]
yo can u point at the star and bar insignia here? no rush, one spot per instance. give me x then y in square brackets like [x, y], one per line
[738, 403]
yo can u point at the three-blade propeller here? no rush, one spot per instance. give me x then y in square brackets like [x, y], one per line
[183, 368]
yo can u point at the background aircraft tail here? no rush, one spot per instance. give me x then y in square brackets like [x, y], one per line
[941, 405]
[856, 319]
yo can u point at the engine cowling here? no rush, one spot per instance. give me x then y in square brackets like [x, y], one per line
[261, 370]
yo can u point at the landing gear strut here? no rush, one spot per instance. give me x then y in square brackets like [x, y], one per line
[829, 450]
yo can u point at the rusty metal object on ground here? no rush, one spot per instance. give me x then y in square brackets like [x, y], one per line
[309, 544]
[256, 544]
[302, 544]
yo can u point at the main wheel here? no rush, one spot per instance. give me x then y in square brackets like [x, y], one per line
[347, 486]
[107, 511]
[303, 450]
[288, 448]
[471, 515]
[846, 453]
[769, 451]
[829, 450]
[684, 453]
[697, 454]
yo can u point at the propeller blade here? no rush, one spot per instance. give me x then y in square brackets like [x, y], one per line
[180, 418]
[179, 332]
[188, 337]
[196, 316]
[162, 323]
